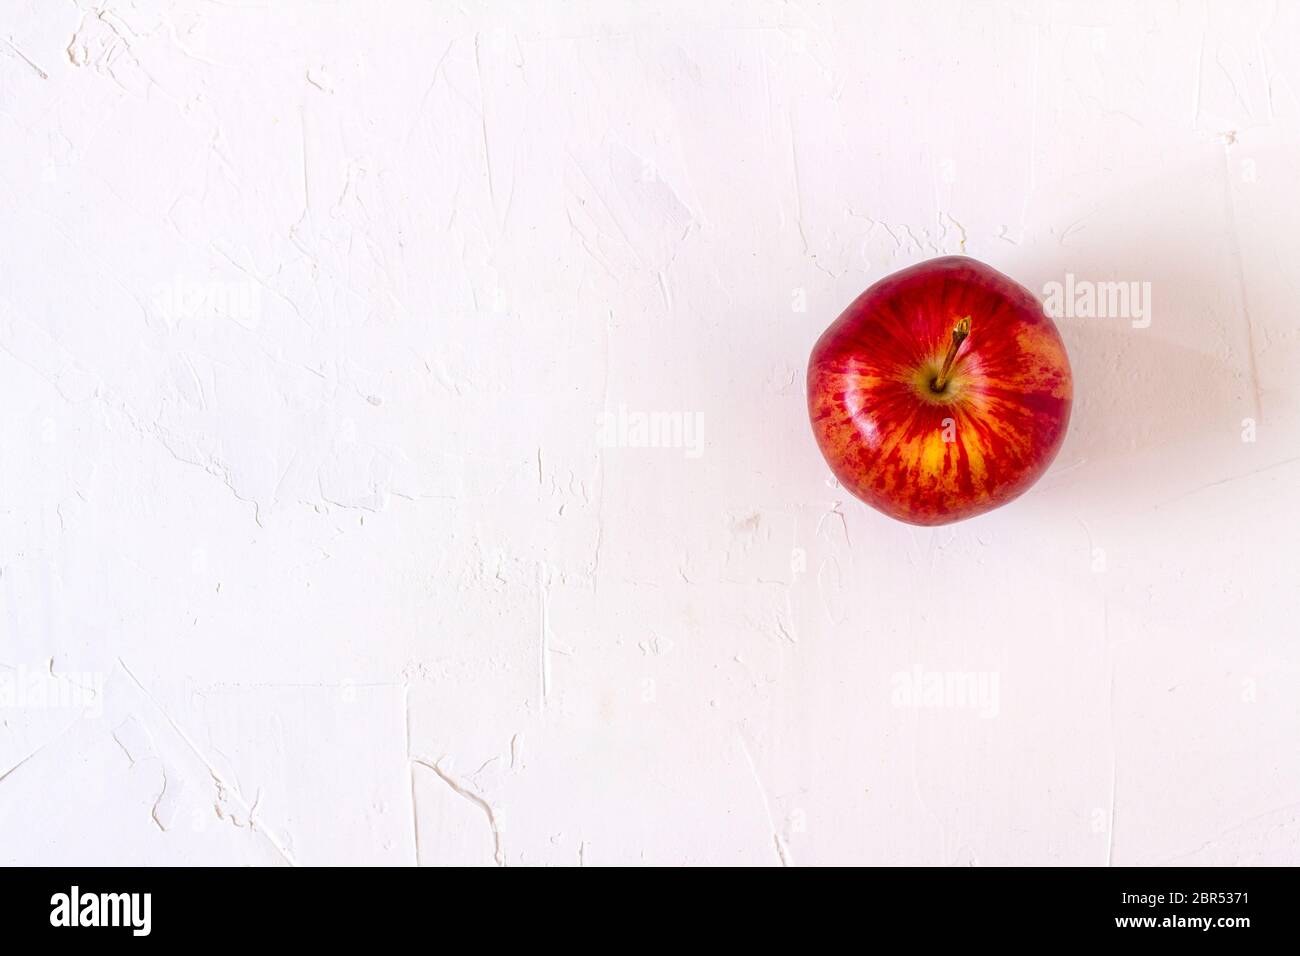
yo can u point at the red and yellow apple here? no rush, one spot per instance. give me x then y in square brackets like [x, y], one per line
[941, 393]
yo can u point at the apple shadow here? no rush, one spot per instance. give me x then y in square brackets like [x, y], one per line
[1157, 391]
[1155, 403]
[1134, 391]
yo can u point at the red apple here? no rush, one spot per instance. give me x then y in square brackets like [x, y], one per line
[941, 393]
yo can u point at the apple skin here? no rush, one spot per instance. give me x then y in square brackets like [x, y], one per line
[1004, 408]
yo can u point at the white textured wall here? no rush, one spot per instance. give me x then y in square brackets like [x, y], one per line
[308, 313]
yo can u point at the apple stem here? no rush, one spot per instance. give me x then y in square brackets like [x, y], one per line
[959, 333]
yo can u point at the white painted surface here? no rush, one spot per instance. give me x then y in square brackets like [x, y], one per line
[308, 315]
